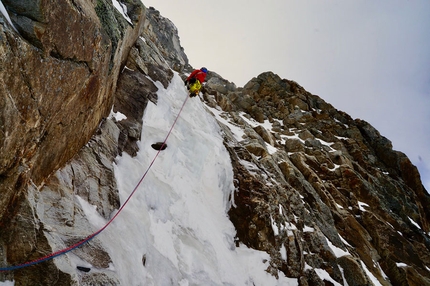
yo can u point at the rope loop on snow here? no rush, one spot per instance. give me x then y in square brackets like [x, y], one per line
[91, 236]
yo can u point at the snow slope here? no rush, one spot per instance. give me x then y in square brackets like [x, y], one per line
[175, 229]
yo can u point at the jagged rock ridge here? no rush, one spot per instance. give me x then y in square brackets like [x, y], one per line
[309, 178]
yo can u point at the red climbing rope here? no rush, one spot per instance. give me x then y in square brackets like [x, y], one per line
[90, 237]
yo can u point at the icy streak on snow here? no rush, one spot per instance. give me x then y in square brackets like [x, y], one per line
[122, 8]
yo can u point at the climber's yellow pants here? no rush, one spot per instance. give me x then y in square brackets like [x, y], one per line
[195, 87]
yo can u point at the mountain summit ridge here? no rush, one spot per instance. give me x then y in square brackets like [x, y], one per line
[312, 196]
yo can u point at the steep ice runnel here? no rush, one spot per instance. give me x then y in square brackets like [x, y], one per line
[175, 229]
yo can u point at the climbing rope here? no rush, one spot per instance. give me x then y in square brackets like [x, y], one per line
[90, 237]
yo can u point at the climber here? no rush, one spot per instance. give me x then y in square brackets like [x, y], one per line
[195, 80]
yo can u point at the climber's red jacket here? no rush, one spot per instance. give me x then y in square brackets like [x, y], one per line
[197, 74]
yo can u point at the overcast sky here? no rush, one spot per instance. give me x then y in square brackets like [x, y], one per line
[368, 58]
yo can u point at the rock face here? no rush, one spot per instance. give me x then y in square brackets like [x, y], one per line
[59, 70]
[315, 189]
[333, 181]
[57, 79]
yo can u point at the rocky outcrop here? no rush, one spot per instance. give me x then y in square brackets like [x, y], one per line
[338, 193]
[317, 190]
[158, 46]
[58, 75]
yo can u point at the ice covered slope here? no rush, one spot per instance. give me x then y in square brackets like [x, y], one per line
[175, 229]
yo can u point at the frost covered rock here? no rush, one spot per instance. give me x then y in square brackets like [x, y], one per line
[311, 206]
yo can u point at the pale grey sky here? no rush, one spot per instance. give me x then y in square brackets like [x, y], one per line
[368, 58]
